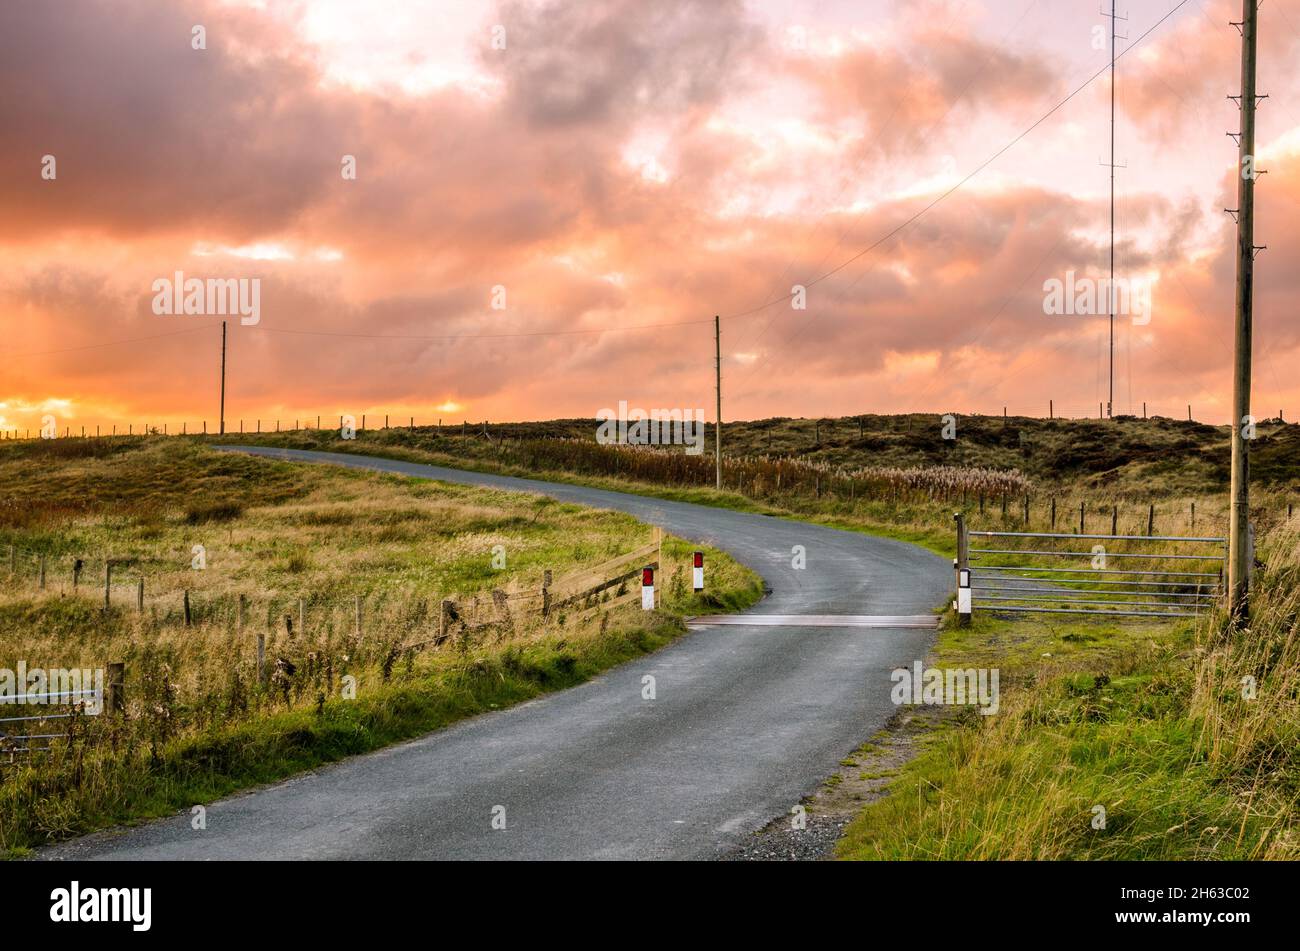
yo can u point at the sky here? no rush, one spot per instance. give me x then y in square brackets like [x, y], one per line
[533, 209]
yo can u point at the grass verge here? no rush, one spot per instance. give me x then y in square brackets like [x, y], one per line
[80, 794]
[1132, 742]
[292, 553]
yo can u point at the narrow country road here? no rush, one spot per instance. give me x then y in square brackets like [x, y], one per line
[748, 718]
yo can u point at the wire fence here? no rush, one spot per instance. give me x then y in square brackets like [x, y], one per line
[223, 657]
[250, 427]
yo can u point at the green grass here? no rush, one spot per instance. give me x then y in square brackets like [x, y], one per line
[290, 550]
[78, 795]
[1142, 719]
[1146, 720]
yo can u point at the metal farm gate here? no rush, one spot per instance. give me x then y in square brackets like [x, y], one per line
[1055, 573]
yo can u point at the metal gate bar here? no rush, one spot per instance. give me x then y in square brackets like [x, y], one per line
[1096, 611]
[1102, 571]
[1089, 554]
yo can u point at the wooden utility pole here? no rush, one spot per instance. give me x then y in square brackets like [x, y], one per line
[717, 367]
[221, 426]
[1239, 553]
[1110, 290]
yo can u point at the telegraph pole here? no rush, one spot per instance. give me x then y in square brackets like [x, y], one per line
[1240, 556]
[221, 426]
[1110, 295]
[717, 368]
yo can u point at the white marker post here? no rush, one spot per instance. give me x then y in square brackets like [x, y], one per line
[963, 595]
[647, 589]
[699, 571]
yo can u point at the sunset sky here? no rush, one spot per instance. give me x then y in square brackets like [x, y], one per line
[624, 164]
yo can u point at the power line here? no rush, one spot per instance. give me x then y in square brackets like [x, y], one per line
[494, 336]
[916, 216]
[979, 168]
[106, 343]
[889, 120]
[751, 344]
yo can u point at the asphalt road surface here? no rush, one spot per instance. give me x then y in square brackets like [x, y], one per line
[747, 719]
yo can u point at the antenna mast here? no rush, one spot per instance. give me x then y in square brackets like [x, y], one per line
[1110, 288]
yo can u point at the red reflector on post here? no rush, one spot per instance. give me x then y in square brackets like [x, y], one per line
[699, 559]
[647, 576]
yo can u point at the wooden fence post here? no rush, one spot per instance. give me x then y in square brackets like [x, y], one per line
[1151, 521]
[42, 573]
[502, 602]
[964, 605]
[546, 593]
[114, 689]
[1080, 518]
[186, 602]
[77, 565]
[1053, 513]
[139, 595]
[1114, 520]
[261, 658]
[108, 583]
[358, 618]
[659, 553]
[444, 620]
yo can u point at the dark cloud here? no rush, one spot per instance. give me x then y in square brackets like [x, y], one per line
[570, 64]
